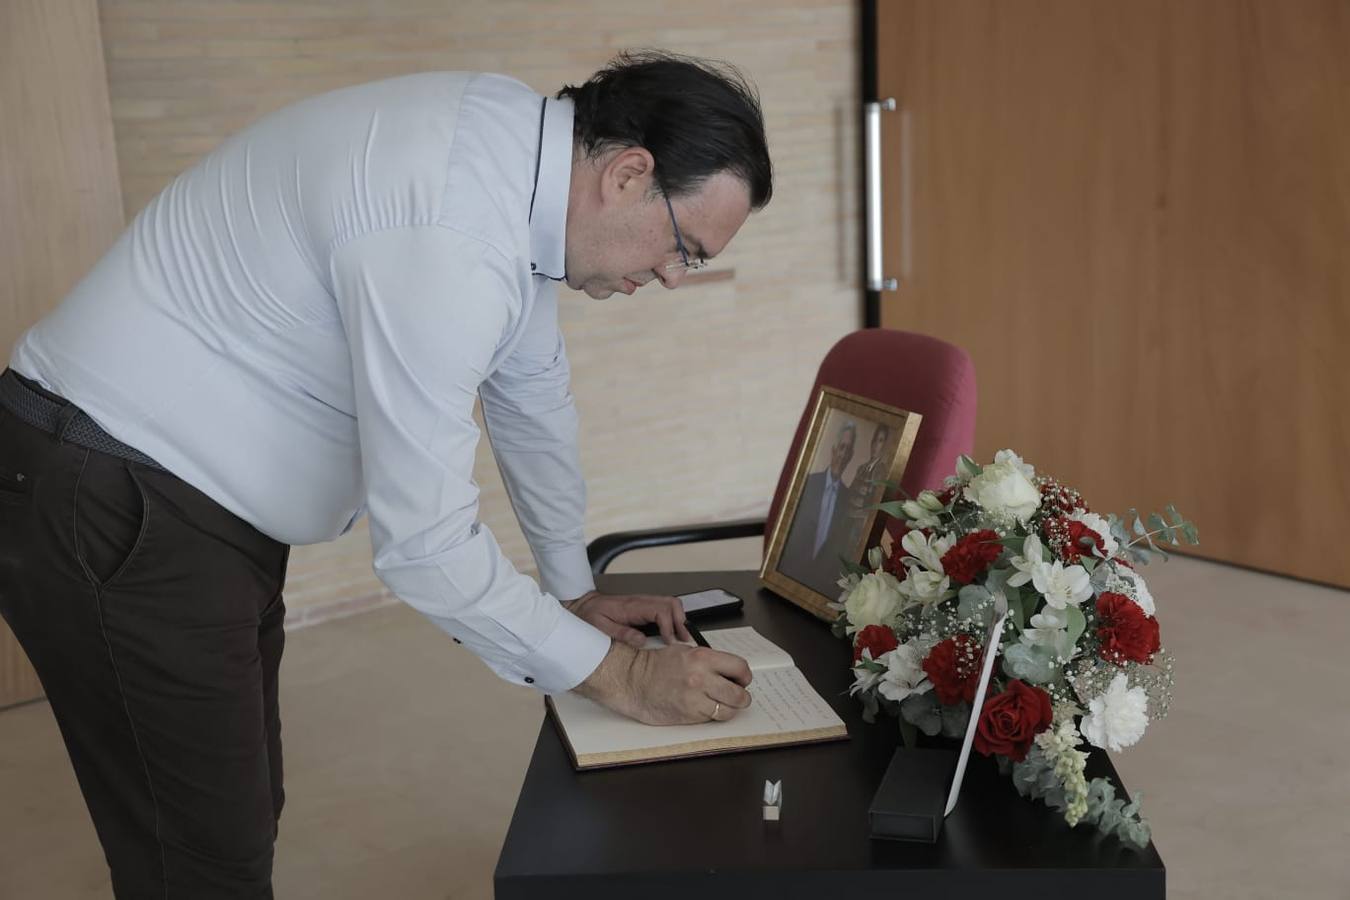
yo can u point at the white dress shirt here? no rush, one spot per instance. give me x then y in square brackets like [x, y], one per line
[298, 326]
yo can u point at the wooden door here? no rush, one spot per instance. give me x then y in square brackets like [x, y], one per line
[1136, 217]
[60, 203]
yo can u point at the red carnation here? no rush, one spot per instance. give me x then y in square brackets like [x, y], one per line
[1065, 537]
[892, 563]
[971, 556]
[954, 668]
[877, 638]
[1126, 632]
[1057, 499]
[1011, 720]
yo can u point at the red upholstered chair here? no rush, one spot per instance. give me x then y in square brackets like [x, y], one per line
[898, 368]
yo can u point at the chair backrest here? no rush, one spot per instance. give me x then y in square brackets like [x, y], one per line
[910, 371]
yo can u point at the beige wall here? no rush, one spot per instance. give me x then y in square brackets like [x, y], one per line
[688, 400]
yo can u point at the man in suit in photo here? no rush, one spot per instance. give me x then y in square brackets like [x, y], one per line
[820, 528]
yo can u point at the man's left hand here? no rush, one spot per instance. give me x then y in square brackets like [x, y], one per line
[616, 614]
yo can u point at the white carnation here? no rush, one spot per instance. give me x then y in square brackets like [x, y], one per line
[1136, 589]
[874, 600]
[1005, 488]
[1101, 527]
[1117, 718]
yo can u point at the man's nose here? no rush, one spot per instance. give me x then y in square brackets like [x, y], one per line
[670, 278]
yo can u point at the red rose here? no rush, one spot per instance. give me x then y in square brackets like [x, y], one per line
[1010, 720]
[954, 668]
[1126, 632]
[877, 638]
[971, 556]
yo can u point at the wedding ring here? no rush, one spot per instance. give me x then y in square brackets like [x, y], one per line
[716, 709]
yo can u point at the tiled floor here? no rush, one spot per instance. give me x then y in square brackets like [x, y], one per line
[404, 756]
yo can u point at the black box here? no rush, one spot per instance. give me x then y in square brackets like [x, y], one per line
[909, 804]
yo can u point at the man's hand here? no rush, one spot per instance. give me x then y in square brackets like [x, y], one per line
[616, 614]
[675, 685]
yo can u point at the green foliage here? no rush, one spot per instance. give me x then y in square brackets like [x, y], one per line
[1171, 532]
[967, 468]
[852, 568]
[955, 719]
[1032, 663]
[1035, 777]
[922, 711]
[974, 602]
[1077, 625]
[1113, 816]
[891, 508]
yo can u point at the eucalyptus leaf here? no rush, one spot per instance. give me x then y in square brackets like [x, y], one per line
[977, 604]
[1156, 524]
[1015, 612]
[1031, 663]
[922, 711]
[1077, 624]
[955, 719]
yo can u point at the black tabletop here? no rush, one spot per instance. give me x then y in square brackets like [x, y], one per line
[666, 829]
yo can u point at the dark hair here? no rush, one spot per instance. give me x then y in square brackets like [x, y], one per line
[696, 117]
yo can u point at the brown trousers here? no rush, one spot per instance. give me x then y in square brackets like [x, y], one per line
[153, 617]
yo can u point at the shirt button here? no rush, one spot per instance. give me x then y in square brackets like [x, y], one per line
[529, 680]
[457, 640]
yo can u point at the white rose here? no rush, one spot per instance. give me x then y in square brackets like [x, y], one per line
[1005, 487]
[1117, 718]
[904, 672]
[875, 600]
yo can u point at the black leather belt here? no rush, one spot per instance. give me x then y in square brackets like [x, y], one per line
[68, 422]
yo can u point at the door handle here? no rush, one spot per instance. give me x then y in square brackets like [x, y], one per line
[876, 278]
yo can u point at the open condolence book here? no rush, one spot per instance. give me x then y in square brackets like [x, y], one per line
[785, 710]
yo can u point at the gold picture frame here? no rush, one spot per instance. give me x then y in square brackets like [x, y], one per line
[803, 562]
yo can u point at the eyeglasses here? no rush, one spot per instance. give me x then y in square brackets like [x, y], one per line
[691, 265]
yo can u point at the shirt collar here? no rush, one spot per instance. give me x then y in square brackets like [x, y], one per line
[548, 209]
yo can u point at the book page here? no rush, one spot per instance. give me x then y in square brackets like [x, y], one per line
[783, 703]
[750, 645]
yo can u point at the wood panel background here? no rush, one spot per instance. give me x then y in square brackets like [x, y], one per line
[60, 205]
[1136, 218]
[689, 399]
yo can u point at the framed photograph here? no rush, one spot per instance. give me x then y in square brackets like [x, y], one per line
[853, 447]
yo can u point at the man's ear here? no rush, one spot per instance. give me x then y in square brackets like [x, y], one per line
[627, 176]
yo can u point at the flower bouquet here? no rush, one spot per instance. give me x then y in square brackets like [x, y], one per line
[1081, 659]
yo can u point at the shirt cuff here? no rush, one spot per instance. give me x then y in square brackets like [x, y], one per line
[566, 574]
[567, 657]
